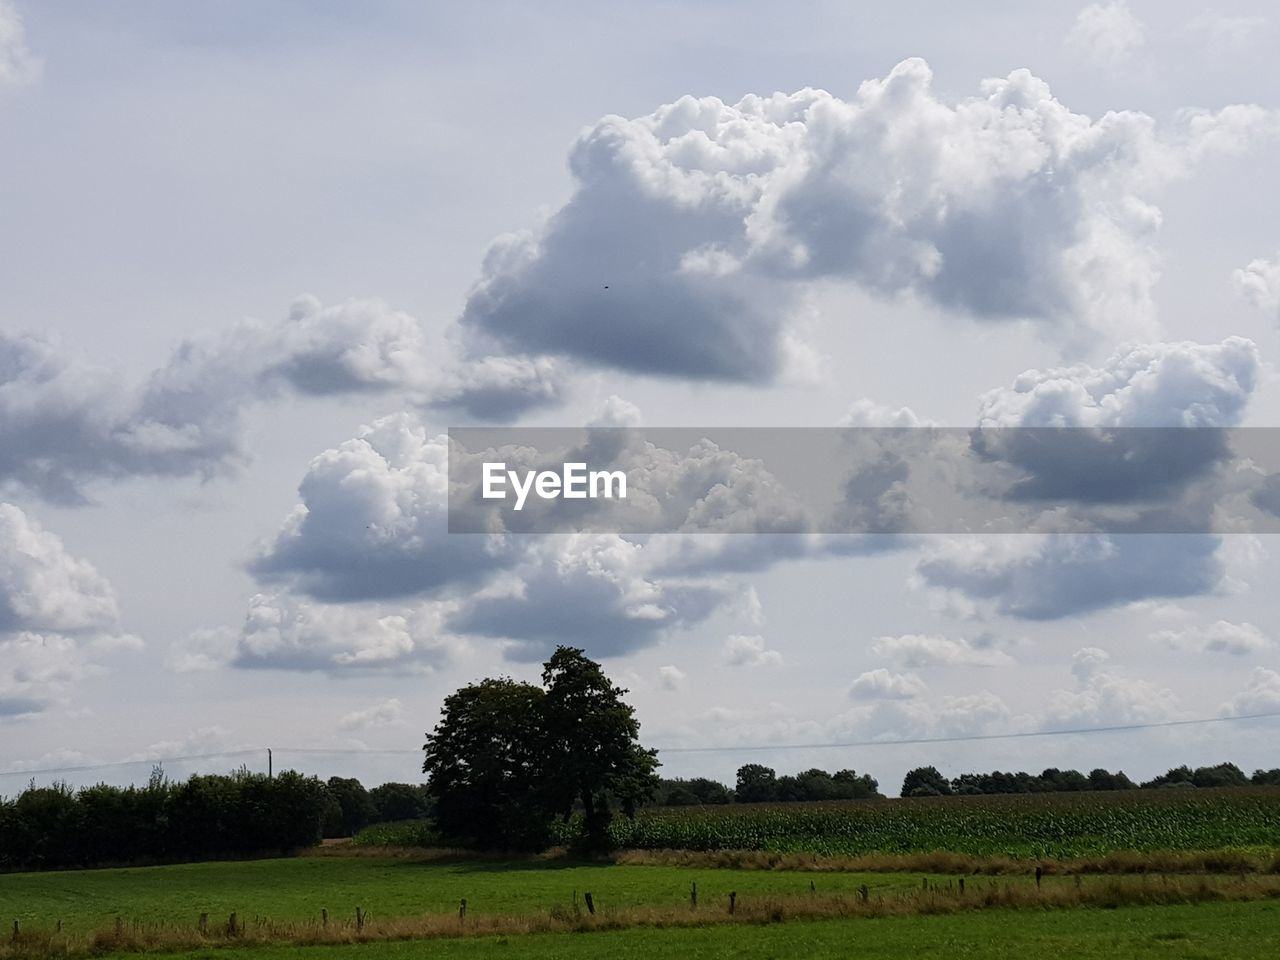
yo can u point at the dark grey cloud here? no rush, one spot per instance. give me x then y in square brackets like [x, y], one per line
[1267, 496]
[372, 523]
[1101, 435]
[495, 389]
[65, 423]
[1060, 575]
[15, 707]
[693, 231]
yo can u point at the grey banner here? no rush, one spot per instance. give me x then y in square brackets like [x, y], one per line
[864, 480]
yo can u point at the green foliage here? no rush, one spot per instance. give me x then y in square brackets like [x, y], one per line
[401, 833]
[399, 801]
[592, 749]
[756, 784]
[349, 807]
[925, 782]
[1078, 824]
[205, 816]
[687, 793]
[485, 767]
[507, 757]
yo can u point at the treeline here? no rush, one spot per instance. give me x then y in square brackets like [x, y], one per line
[929, 782]
[760, 784]
[350, 807]
[204, 817]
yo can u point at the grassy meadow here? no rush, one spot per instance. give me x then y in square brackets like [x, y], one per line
[1174, 873]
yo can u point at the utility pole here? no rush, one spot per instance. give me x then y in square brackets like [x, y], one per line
[268, 763]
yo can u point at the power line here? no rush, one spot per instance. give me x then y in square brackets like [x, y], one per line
[133, 763]
[1023, 735]
[736, 748]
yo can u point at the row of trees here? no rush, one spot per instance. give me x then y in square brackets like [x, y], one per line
[760, 784]
[204, 817]
[929, 782]
[240, 814]
[350, 807]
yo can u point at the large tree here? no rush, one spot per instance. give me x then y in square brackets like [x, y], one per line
[508, 757]
[592, 747]
[485, 765]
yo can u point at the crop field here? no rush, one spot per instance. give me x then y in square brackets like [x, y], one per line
[1059, 825]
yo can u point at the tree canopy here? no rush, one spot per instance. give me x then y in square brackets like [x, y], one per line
[507, 757]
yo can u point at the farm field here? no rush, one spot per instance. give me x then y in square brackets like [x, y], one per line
[1226, 931]
[1197, 874]
[1025, 826]
[299, 888]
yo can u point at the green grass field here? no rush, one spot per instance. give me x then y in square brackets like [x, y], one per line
[1239, 918]
[1228, 931]
[298, 888]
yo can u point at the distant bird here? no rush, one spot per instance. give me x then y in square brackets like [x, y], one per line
[606, 286]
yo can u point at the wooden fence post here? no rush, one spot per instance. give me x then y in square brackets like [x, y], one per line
[15, 930]
[462, 909]
[324, 917]
[693, 895]
[962, 886]
[733, 900]
[232, 926]
[591, 904]
[204, 924]
[359, 919]
[1039, 872]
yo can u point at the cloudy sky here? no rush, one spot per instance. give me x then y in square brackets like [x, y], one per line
[255, 259]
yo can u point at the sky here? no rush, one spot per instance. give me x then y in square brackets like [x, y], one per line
[256, 259]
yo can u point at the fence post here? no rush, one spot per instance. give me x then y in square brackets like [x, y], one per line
[324, 917]
[359, 919]
[864, 893]
[693, 895]
[462, 909]
[232, 926]
[204, 924]
[15, 930]
[591, 904]
[962, 886]
[733, 900]
[1039, 872]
